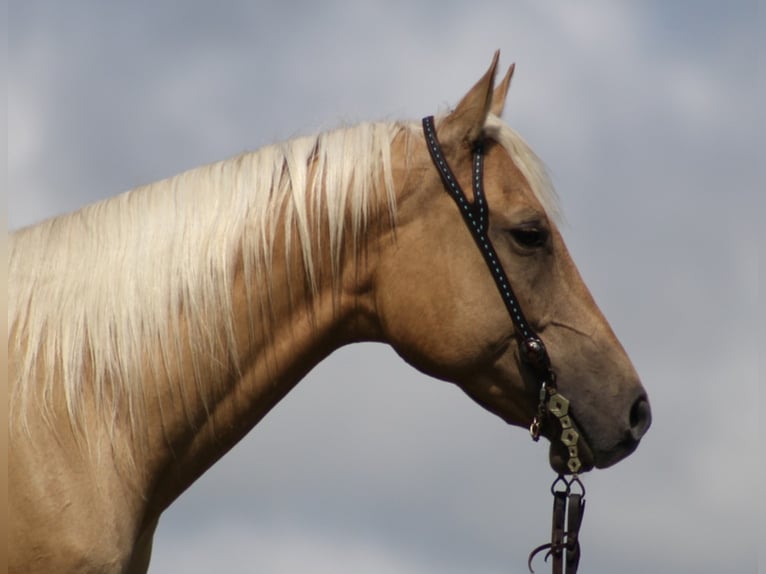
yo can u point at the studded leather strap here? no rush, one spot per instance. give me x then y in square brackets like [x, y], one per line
[564, 547]
[476, 216]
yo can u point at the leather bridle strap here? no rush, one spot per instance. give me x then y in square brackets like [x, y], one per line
[567, 506]
[575, 510]
[476, 216]
[564, 547]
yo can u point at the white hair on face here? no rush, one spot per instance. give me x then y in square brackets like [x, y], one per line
[531, 167]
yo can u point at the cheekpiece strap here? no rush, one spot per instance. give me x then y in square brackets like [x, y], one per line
[476, 216]
[568, 507]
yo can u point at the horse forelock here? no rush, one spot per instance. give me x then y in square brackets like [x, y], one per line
[530, 165]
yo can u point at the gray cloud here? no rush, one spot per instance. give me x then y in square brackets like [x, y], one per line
[647, 117]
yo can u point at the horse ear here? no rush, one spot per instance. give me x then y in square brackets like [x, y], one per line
[466, 122]
[498, 98]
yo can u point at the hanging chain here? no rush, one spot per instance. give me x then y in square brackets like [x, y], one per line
[558, 406]
[553, 402]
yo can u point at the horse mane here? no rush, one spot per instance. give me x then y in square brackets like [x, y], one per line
[93, 293]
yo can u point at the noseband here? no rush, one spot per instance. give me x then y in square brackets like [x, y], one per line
[567, 504]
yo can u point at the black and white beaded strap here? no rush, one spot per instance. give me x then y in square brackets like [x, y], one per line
[564, 545]
[476, 216]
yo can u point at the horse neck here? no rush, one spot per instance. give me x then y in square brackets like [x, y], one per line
[282, 327]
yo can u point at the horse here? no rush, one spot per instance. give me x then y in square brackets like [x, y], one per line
[149, 332]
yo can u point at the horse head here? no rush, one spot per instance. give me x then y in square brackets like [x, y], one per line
[440, 309]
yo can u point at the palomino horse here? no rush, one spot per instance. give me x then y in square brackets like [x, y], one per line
[150, 332]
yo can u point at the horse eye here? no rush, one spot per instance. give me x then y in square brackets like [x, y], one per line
[529, 237]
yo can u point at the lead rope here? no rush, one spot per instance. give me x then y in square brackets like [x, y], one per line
[568, 506]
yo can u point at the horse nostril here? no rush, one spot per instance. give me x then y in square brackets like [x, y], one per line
[640, 418]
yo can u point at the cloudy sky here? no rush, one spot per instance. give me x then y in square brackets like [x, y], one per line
[649, 116]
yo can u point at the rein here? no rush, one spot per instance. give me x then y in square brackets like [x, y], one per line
[568, 493]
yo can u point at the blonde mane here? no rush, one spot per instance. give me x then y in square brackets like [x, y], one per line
[93, 293]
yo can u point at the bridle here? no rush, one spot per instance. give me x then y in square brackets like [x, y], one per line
[568, 493]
